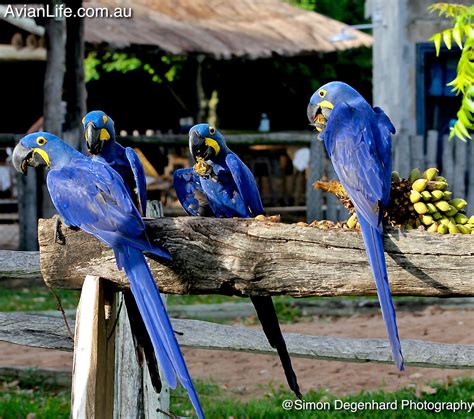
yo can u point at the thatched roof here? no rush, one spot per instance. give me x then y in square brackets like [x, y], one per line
[221, 28]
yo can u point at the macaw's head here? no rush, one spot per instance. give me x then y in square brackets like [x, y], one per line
[98, 128]
[205, 144]
[40, 149]
[325, 98]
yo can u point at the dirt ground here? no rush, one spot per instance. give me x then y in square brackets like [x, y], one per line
[248, 375]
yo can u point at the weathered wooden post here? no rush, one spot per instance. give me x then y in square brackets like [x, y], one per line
[314, 196]
[92, 394]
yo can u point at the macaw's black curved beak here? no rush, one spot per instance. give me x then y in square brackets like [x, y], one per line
[311, 112]
[93, 141]
[20, 158]
[318, 114]
[23, 157]
[199, 148]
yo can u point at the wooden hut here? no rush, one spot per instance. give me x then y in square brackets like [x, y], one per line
[221, 29]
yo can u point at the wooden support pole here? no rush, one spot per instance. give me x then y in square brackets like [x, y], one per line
[28, 210]
[129, 374]
[53, 92]
[94, 349]
[248, 257]
[200, 93]
[314, 196]
[74, 83]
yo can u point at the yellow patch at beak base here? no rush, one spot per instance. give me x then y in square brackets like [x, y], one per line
[326, 104]
[212, 143]
[43, 154]
[104, 135]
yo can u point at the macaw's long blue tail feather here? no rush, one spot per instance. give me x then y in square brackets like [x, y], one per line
[157, 322]
[373, 240]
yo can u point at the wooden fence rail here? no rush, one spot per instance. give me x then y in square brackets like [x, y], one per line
[50, 333]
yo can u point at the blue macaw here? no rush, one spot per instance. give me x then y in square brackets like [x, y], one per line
[221, 185]
[357, 138]
[89, 194]
[99, 131]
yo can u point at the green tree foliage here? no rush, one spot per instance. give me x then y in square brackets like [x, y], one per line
[166, 68]
[462, 33]
[347, 11]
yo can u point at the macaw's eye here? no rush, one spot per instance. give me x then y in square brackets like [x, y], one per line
[212, 130]
[322, 93]
[105, 119]
[41, 141]
[83, 120]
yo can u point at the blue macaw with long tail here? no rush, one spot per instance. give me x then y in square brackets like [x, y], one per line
[357, 138]
[221, 185]
[89, 194]
[99, 131]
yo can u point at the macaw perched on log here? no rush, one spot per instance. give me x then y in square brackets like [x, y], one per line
[358, 141]
[221, 185]
[99, 131]
[89, 194]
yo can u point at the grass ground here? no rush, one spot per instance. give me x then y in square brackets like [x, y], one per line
[18, 401]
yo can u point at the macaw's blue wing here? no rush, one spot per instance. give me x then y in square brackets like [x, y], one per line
[351, 145]
[190, 193]
[246, 184]
[104, 208]
[384, 146]
[356, 144]
[140, 178]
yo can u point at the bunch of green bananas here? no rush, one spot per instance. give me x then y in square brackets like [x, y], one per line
[423, 201]
[433, 206]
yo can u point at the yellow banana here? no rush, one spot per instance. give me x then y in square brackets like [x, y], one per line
[420, 208]
[430, 173]
[419, 185]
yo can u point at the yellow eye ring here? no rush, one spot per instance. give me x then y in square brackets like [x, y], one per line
[212, 130]
[322, 93]
[83, 120]
[41, 141]
[105, 119]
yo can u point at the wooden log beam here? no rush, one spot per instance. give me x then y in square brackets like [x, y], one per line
[26, 329]
[247, 257]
